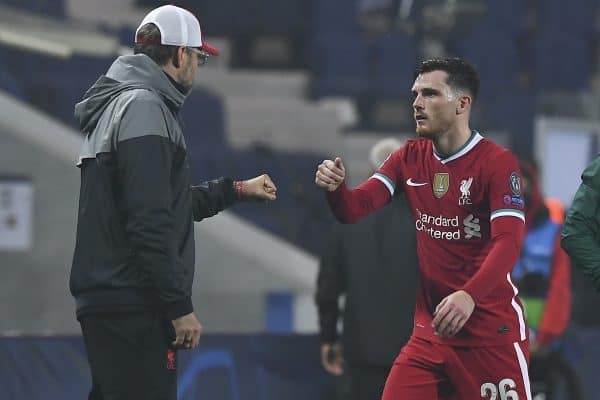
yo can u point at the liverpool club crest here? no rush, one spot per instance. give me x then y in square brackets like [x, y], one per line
[441, 183]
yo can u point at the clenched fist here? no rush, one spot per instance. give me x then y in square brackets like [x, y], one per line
[259, 188]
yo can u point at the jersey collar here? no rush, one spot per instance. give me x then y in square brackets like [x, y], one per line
[464, 149]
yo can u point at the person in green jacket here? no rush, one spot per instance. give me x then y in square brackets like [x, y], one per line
[581, 241]
[581, 230]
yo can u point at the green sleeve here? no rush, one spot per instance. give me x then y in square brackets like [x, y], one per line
[581, 231]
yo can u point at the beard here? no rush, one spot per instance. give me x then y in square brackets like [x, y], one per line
[186, 78]
[426, 132]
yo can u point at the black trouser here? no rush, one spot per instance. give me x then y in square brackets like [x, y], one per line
[362, 382]
[129, 356]
[551, 374]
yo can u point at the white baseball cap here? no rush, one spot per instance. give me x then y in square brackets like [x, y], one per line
[178, 27]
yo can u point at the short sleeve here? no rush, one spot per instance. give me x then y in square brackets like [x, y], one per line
[505, 187]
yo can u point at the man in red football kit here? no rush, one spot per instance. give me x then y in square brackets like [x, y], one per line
[469, 338]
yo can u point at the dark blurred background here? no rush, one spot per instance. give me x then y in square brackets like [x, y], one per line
[297, 81]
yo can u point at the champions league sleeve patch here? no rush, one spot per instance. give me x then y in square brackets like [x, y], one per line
[515, 184]
[514, 201]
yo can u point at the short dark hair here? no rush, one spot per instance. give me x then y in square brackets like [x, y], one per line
[149, 35]
[461, 74]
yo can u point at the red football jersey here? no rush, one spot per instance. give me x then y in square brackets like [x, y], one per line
[455, 200]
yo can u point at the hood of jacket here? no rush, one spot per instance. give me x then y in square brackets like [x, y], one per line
[126, 73]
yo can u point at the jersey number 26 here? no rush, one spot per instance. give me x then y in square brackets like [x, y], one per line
[505, 389]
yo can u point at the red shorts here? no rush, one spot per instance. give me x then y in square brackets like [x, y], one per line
[431, 371]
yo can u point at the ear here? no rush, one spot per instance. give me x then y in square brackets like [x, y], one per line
[178, 57]
[464, 104]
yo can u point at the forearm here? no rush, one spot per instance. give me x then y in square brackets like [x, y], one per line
[210, 198]
[506, 244]
[328, 321]
[349, 206]
[557, 310]
[152, 240]
[149, 219]
[330, 286]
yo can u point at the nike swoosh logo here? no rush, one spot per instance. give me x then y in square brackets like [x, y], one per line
[410, 182]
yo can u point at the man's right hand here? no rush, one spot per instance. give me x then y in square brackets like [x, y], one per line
[259, 188]
[330, 174]
[187, 331]
[332, 359]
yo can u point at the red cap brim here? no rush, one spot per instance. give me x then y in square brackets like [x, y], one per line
[212, 50]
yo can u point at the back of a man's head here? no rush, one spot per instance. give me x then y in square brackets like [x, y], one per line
[382, 150]
[146, 38]
[166, 29]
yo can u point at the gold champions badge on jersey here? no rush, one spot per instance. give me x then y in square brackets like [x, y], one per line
[441, 183]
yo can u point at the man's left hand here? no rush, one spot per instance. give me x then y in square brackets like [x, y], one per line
[452, 313]
[259, 188]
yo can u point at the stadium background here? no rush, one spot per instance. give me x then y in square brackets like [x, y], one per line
[298, 81]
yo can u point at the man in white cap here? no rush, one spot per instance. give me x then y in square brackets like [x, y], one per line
[133, 264]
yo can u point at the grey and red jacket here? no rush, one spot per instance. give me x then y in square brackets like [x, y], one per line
[135, 235]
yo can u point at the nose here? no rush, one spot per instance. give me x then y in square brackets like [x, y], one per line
[417, 103]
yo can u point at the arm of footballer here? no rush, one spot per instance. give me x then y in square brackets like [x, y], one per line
[507, 236]
[349, 206]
